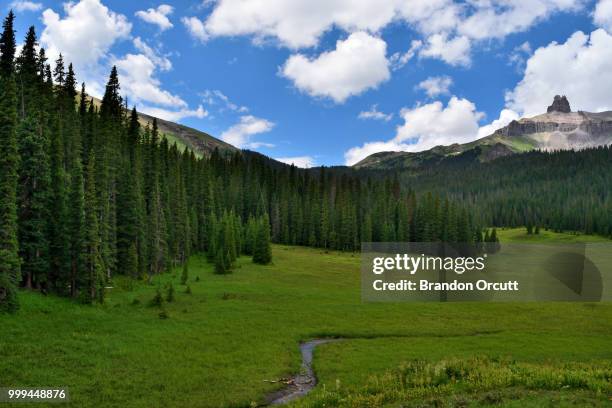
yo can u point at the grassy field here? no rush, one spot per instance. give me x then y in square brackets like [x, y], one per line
[222, 341]
[520, 235]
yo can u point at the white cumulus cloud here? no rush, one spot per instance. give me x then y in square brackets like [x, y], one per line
[426, 126]
[21, 6]
[216, 97]
[196, 28]
[497, 19]
[375, 114]
[434, 124]
[157, 16]
[174, 115]
[519, 55]
[139, 83]
[240, 134]
[304, 162]
[85, 34]
[450, 27]
[398, 60]
[505, 117]
[357, 64]
[161, 61]
[355, 154]
[580, 68]
[453, 51]
[434, 86]
[297, 23]
[603, 14]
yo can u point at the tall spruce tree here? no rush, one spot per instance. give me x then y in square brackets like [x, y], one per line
[27, 78]
[77, 226]
[58, 225]
[33, 199]
[262, 252]
[10, 272]
[129, 208]
[92, 280]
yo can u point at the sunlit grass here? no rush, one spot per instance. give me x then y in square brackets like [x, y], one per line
[545, 236]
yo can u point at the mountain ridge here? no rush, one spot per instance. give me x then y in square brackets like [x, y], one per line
[184, 136]
[197, 140]
[557, 129]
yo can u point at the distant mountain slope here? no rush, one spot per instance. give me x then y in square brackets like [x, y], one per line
[198, 141]
[558, 129]
[184, 136]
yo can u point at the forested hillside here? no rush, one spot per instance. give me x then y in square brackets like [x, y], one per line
[562, 190]
[196, 140]
[87, 193]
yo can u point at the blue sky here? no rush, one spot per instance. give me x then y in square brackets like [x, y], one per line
[326, 82]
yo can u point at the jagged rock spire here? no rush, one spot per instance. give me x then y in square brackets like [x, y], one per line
[560, 104]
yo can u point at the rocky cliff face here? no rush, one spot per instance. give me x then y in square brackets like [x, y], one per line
[560, 104]
[554, 122]
[562, 130]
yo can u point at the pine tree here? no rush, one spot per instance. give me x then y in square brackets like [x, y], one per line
[213, 233]
[158, 248]
[262, 252]
[185, 273]
[28, 76]
[224, 245]
[111, 102]
[92, 280]
[229, 238]
[76, 128]
[76, 222]
[128, 222]
[7, 47]
[109, 167]
[10, 273]
[170, 293]
[33, 199]
[133, 136]
[366, 228]
[158, 299]
[86, 119]
[222, 262]
[250, 236]
[463, 228]
[59, 243]
[324, 239]
[495, 240]
[70, 88]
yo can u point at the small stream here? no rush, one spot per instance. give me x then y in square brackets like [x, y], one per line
[300, 384]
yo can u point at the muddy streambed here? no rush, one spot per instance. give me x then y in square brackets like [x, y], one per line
[302, 383]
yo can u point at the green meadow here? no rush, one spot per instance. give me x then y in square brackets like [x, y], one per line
[519, 235]
[223, 344]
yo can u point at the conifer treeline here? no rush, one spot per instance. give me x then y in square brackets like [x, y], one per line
[86, 193]
[560, 190]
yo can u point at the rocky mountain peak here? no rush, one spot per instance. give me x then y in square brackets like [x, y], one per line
[560, 104]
